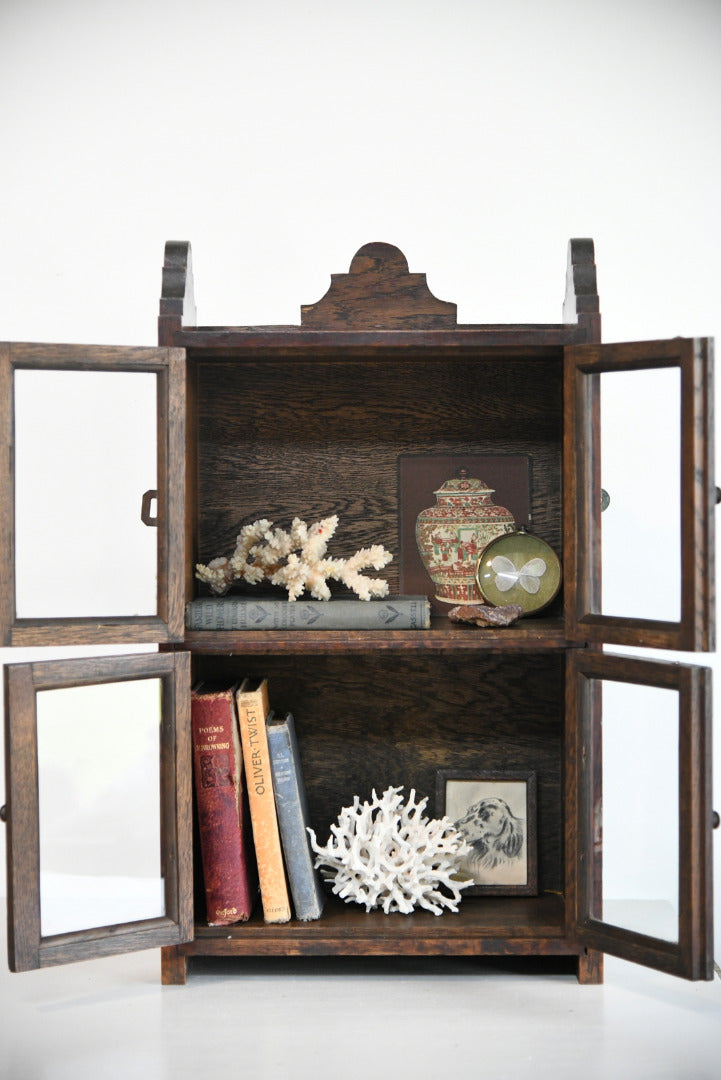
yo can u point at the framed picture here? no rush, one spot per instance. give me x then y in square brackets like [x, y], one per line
[496, 812]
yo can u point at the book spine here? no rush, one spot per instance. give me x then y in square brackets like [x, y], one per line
[253, 709]
[291, 804]
[246, 613]
[219, 786]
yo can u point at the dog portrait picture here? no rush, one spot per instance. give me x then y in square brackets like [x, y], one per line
[496, 814]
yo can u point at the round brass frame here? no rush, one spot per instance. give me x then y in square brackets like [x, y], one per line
[519, 568]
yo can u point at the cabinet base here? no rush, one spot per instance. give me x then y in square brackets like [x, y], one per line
[173, 966]
[523, 932]
[590, 968]
[176, 964]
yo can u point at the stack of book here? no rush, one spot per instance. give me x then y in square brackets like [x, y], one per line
[252, 809]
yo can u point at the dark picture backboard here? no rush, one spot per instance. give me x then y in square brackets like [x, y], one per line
[420, 475]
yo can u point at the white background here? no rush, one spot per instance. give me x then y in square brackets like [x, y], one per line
[278, 138]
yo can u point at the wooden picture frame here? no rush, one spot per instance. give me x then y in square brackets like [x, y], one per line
[497, 813]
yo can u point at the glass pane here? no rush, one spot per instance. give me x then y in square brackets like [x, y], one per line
[85, 452]
[640, 830]
[99, 793]
[641, 471]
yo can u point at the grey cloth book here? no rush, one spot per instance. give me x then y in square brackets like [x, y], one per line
[251, 613]
[291, 804]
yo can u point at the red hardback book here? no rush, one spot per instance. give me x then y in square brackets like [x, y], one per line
[228, 873]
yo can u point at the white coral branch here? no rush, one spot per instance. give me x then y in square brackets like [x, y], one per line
[386, 854]
[296, 560]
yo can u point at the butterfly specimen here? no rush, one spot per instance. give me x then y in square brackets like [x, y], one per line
[507, 574]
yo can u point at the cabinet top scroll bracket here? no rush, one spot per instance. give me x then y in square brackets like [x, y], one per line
[177, 302]
[581, 304]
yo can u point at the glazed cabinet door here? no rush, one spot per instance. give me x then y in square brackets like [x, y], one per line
[91, 494]
[98, 812]
[639, 815]
[639, 494]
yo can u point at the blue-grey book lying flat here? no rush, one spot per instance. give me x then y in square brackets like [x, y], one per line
[291, 804]
[251, 613]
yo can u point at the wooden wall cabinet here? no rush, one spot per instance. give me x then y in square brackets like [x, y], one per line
[310, 420]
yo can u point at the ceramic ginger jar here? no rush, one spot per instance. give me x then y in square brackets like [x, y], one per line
[453, 533]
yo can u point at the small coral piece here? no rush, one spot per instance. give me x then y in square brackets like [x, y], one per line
[385, 854]
[297, 560]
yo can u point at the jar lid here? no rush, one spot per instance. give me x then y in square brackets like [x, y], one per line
[519, 568]
[464, 484]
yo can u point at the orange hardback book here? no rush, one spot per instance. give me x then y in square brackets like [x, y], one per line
[253, 710]
[226, 854]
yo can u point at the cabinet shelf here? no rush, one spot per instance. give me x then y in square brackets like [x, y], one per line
[509, 925]
[442, 637]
